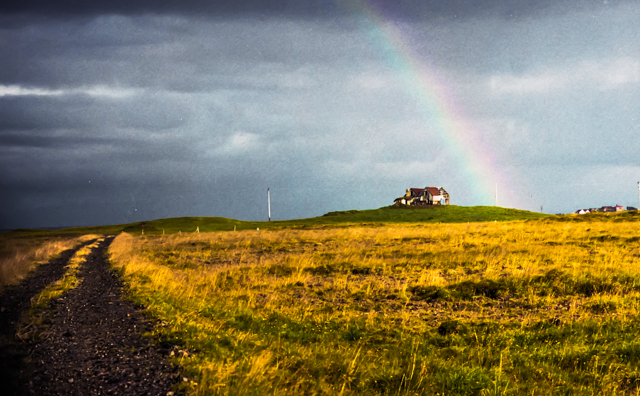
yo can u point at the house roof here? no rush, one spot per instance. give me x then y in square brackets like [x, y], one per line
[433, 190]
[416, 192]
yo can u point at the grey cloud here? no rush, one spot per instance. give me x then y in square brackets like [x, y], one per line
[83, 112]
[568, 128]
[406, 9]
[197, 56]
[21, 139]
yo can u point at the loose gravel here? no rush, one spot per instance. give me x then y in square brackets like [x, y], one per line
[15, 300]
[94, 345]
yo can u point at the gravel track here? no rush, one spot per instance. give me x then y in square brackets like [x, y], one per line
[17, 299]
[94, 346]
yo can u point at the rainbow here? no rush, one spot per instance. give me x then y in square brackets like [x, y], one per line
[477, 162]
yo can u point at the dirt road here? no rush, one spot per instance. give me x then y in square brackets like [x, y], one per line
[94, 346]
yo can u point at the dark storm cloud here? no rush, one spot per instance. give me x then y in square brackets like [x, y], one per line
[102, 50]
[32, 112]
[28, 159]
[168, 6]
[175, 54]
[84, 112]
[28, 140]
[403, 9]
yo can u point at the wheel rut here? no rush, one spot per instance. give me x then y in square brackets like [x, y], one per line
[15, 300]
[94, 344]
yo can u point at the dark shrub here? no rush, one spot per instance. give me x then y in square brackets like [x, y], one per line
[429, 293]
[451, 327]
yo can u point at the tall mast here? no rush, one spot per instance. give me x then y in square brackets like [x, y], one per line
[269, 203]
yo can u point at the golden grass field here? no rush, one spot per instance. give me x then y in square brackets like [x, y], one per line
[524, 307]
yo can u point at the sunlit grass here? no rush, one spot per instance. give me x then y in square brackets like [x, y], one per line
[458, 309]
[20, 255]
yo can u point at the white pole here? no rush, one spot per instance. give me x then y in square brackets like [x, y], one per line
[269, 203]
[638, 195]
[496, 194]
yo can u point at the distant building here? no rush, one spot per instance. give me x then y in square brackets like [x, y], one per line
[412, 194]
[424, 197]
[608, 209]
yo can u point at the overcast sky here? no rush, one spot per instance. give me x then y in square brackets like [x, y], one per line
[137, 110]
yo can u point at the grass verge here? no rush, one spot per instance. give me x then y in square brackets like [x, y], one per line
[21, 255]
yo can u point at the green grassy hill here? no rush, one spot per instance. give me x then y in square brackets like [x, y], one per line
[389, 214]
[435, 214]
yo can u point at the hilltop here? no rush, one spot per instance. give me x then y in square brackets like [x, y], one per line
[389, 214]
